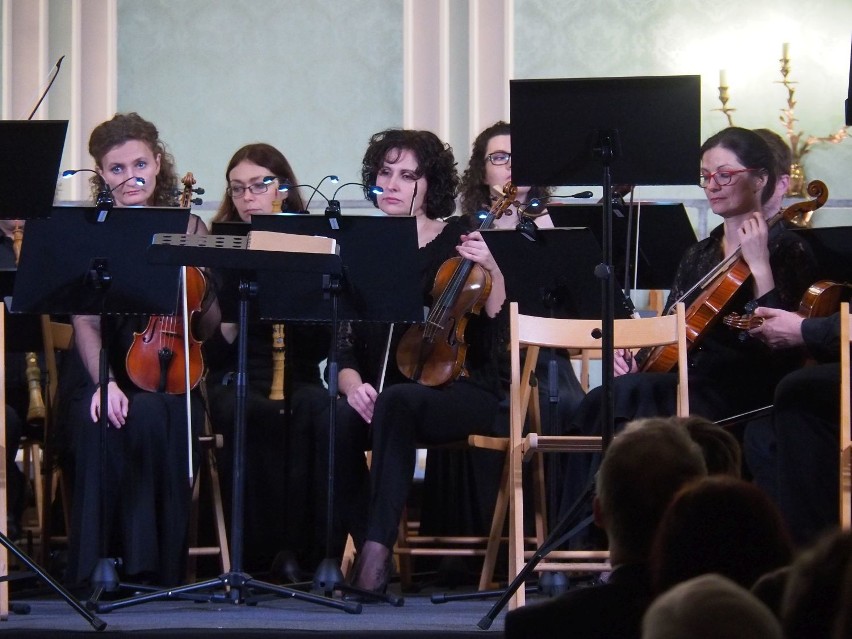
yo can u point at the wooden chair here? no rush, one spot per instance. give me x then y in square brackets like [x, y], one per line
[411, 543]
[532, 334]
[208, 473]
[845, 420]
[38, 468]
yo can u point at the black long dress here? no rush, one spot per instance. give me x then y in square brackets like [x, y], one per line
[284, 501]
[144, 487]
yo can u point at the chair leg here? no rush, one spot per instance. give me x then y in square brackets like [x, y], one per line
[498, 521]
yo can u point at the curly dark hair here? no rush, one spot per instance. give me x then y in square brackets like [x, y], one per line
[751, 150]
[435, 161]
[475, 194]
[122, 128]
[272, 160]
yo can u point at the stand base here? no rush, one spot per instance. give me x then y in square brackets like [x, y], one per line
[97, 624]
[329, 578]
[238, 588]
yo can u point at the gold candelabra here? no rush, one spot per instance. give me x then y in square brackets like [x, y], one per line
[800, 144]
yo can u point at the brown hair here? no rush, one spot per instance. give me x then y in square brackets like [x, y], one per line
[122, 128]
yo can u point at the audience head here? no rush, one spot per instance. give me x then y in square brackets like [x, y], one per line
[721, 450]
[719, 524]
[783, 161]
[246, 171]
[817, 597]
[709, 607]
[744, 163]
[646, 464]
[399, 159]
[128, 146]
[484, 171]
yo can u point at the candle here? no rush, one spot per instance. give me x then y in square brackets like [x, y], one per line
[785, 51]
[723, 78]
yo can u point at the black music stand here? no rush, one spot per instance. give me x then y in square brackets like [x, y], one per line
[642, 130]
[832, 247]
[275, 272]
[648, 238]
[29, 168]
[370, 243]
[72, 264]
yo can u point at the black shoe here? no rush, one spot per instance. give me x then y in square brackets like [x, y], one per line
[285, 567]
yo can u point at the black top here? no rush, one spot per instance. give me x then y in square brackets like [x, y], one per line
[721, 349]
[362, 346]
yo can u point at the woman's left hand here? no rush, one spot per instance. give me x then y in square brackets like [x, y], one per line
[754, 241]
[474, 248]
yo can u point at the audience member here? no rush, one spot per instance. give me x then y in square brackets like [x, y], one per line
[814, 596]
[709, 607]
[642, 470]
[721, 450]
[723, 525]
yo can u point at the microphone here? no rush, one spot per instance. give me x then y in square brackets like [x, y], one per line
[334, 180]
[104, 200]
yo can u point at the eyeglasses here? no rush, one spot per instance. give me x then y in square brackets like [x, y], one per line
[499, 159]
[238, 191]
[722, 178]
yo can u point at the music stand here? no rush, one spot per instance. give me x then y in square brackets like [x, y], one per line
[832, 247]
[271, 267]
[646, 248]
[29, 168]
[641, 130]
[370, 243]
[72, 264]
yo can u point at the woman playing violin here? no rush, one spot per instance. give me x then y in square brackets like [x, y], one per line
[417, 174]
[727, 375]
[146, 494]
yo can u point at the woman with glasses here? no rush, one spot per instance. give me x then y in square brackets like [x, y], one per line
[389, 413]
[489, 169]
[283, 499]
[729, 373]
[144, 488]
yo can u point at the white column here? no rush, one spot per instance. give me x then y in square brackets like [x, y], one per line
[25, 63]
[94, 81]
[426, 77]
[491, 61]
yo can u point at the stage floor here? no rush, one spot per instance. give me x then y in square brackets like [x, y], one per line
[50, 616]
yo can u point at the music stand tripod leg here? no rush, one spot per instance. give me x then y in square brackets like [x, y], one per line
[236, 583]
[328, 576]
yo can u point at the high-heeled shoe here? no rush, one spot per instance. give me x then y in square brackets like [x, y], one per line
[373, 570]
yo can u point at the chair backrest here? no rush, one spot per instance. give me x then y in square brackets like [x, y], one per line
[845, 421]
[534, 333]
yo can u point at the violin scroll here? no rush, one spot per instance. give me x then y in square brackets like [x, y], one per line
[800, 213]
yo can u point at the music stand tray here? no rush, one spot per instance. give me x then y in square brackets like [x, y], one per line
[60, 253]
[381, 281]
[646, 248]
[29, 168]
[553, 276]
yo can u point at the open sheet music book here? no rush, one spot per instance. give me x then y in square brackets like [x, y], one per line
[257, 241]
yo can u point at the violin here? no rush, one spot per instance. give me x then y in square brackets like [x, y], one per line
[820, 300]
[156, 360]
[720, 286]
[433, 353]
